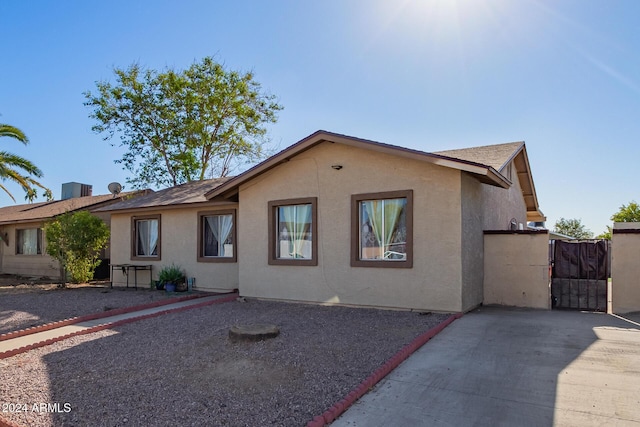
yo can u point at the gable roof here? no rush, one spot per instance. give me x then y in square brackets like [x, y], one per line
[47, 210]
[187, 193]
[484, 162]
[499, 156]
[483, 172]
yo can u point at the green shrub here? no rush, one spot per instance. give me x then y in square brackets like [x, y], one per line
[76, 239]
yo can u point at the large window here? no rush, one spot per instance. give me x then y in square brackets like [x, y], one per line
[146, 238]
[217, 236]
[293, 232]
[382, 229]
[29, 241]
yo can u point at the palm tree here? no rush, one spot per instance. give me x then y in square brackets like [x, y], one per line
[16, 168]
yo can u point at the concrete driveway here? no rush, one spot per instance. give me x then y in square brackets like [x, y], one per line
[514, 367]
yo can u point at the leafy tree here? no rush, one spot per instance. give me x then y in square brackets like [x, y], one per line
[18, 169]
[76, 239]
[180, 126]
[626, 213]
[573, 228]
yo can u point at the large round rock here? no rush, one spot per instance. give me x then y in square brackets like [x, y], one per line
[252, 333]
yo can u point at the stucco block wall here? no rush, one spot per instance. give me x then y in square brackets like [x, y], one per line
[434, 282]
[500, 205]
[41, 265]
[516, 270]
[178, 245]
[472, 242]
[625, 267]
[484, 207]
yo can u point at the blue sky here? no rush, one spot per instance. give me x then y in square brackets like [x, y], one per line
[562, 75]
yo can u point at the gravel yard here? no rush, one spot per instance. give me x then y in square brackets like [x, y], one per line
[181, 369]
[26, 305]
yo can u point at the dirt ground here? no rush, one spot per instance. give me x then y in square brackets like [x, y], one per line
[14, 284]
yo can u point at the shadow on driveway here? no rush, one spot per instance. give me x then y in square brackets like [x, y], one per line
[498, 366]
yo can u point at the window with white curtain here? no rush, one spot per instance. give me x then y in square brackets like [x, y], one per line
[382, 229]
[217, 236]
[29, 241]
[146, 233]
[293, 232]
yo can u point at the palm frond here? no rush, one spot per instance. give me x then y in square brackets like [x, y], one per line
[13, 132]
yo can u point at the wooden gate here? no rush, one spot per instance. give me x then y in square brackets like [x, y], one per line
[580, 271]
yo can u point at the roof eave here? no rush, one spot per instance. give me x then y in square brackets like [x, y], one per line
[485, 173]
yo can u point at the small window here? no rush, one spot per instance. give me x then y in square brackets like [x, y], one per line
[217, 236]
[146, 238]
[382, 229]
[293, 232]
[29, 241]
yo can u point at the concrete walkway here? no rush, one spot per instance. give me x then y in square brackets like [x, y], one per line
[38, 337]
[510, 367]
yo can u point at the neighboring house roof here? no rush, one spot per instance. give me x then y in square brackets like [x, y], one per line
[47, 210]
[188, 193]
[485, 163]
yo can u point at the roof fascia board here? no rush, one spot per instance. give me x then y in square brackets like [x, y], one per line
[209, 203]
[230, 187]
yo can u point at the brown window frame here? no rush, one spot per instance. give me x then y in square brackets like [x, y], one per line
[134, 238]
[355, 229]
[234, 236]
[39, 239]
[273, 233]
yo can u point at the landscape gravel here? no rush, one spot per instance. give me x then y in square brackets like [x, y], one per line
[181, 369]
[25, 306]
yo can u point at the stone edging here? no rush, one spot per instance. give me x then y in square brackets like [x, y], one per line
[10, 353]
[340, 407]
[94, 316]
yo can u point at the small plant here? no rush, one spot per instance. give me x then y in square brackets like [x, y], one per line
[171, 274]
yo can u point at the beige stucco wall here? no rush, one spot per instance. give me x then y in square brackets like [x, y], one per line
[434, 282]
[499, 205]
[472, 242]
[625, 269]
[516, 270]
[484, 207]
[179, 246]
[26, 265]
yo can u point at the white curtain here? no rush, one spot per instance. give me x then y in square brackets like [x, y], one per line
[220, 226]
[147, 236]
[29, 241]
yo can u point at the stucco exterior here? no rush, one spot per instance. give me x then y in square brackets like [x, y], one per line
[178, 245]
[40, 265]
[625, 269]
[484, 207]
[434, 282]
[516, 269]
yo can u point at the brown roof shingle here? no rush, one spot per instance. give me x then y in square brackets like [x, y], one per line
[497, 156]
[190, 192]
[47, 210]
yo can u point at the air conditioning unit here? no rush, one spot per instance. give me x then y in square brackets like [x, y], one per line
[72, 190]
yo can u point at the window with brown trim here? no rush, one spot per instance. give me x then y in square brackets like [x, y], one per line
[217, 236]
[382, 229]
[293, 232]
[145, 237]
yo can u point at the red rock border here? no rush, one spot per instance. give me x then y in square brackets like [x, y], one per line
[87, 317]
[9, 353]
[103, 326]
[327, 416]
[340, 407]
